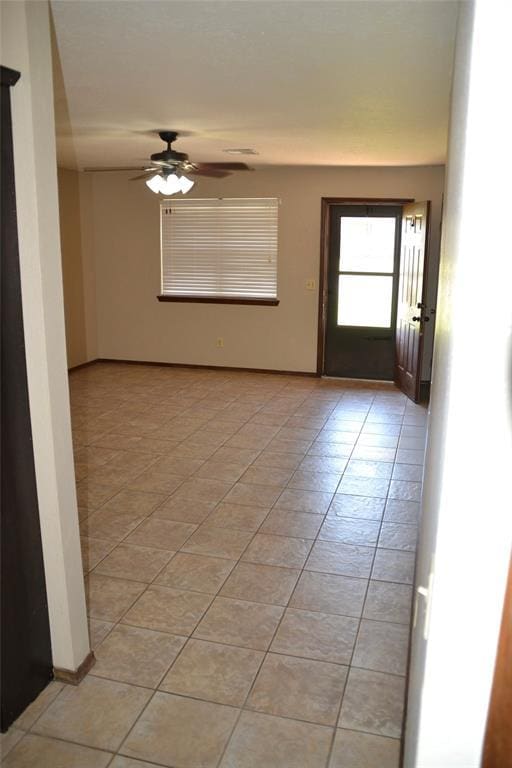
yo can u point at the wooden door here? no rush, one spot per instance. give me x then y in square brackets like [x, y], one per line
[498, 737]
[411, 313]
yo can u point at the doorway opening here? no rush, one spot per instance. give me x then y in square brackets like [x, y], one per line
[371, 302]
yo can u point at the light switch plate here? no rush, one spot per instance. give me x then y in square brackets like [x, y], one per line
[311, 284]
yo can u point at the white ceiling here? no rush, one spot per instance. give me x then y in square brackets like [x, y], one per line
[303, 82]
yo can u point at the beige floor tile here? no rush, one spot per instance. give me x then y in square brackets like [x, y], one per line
[374, 469]
[402, 511]
[343, 436]
[311, 480]
[136, 655]
[219, 673]
[364, 507]
[349, 530]
[108, 599]
[264, 741]
[132, 562]
[200, 489]
[323, 464]
[382, 647]
[218, 542]
[284, 522]
[398, 536]
[92, 495]
[34, 710]
[220, 470]
[260, 475]
[240, 622]
[183, 511]
[393, 565]
[404, 456]
[139, 503]
[343, 559]
[373, 453]
[162, 534]
[97, 713]
[8, 741]
[156, 482]
[405, 489]
[178, 465]
[299, 688]
[51, 753]
[364, 486]
[176, 731]
[330, 593]
[253, 495]
[199, 573]
[283, 551]
[316, 635]
[98, 630]
[93, 551]
[168, 610]
[127, 762]
[278, 460]
[330, 450]
[297, 432]
[362, 750]
[304, 501]
[236, 516]
[261, 583]
[373, 702]
[110, 525]
[243, 456]
[413, 472]
[378, 441]
[388, 602]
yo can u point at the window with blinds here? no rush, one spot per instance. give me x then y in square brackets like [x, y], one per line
[219, 249]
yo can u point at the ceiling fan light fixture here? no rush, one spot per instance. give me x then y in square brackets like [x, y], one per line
[155, 183]
[186, 184]
[170, 185]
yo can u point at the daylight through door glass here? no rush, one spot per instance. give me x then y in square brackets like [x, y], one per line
[365, 289]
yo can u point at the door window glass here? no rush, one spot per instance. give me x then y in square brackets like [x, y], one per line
[367, 244]
[365, 300]
[366, 263]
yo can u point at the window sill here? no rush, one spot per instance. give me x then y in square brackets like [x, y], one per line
[219, 300]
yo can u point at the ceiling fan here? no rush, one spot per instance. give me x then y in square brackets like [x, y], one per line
[165, 171]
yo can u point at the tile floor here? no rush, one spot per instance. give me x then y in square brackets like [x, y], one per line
[249, 543]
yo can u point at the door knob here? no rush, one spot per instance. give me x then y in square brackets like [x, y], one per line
[416, 319]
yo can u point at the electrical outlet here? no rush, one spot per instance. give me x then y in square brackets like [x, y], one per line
[311, 284]
[219, 342]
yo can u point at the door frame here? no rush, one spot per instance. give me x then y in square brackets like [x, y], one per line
[327, 204]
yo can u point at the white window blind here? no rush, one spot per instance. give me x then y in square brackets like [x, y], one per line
[219, 248]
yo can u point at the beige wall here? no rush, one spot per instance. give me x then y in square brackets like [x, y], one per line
[132, 324]
[72, 267]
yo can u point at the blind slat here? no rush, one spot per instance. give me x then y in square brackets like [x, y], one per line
[220, 248]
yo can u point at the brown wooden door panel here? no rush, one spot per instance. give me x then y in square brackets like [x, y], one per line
[411, 315]
[498, 737]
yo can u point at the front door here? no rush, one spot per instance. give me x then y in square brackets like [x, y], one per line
[411, 315]
[362, 288]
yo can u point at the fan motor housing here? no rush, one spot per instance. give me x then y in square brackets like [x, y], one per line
[170, 156]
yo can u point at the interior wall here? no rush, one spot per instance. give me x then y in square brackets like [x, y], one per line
[25, 45]
[466, 531]
[124, 231]
[75, 309]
